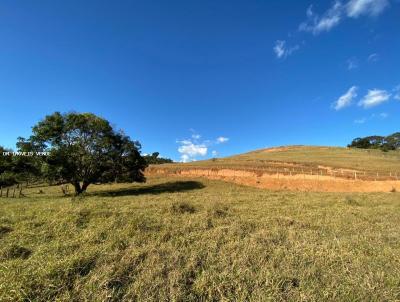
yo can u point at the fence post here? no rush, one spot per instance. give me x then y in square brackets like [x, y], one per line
[20, 192]
[14, 193]
[1, 191]
[7, 192]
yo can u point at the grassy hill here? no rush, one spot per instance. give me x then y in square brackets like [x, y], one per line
[305, 158]
[177, 239]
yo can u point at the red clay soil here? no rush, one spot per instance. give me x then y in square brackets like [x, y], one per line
[298, 182]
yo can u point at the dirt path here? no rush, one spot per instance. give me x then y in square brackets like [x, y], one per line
[298, 182]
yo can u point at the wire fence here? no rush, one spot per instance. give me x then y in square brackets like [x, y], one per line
[313, 173]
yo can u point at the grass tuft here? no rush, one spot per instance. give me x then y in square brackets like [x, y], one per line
[351, 201]
[15, 252]
[82, 219]
[183, 207]
[5, 230]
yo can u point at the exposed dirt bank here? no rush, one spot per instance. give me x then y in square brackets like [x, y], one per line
[298, 182]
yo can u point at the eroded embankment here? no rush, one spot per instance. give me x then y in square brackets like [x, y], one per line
[298, 182]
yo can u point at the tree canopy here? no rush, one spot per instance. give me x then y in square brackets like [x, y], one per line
[84, 149]
[384, 143]
[154, 159]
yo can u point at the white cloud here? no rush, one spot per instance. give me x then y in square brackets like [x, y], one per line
[189, 152]
[185, 158]
[352, 64]
[184, 142]
[380, 116]
[317, 24]
[374, 98]
[396, 91]
[373, 58]
[222, 139]
[346, 99]
[282, 51]
[360, 121]
[191, 149]
[309, 11]
[356, 8]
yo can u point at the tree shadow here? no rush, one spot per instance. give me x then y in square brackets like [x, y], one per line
[168, 187]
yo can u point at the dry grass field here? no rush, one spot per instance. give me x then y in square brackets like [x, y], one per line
[177, 239]
[303, 159]
[299, 168]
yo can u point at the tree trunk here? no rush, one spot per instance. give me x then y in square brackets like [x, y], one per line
[85, 185]
[77, 186]
[80, 189]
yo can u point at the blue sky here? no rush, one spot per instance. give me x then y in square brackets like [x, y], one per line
[196, 79]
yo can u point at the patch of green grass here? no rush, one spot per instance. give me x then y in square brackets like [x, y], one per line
[185, 240]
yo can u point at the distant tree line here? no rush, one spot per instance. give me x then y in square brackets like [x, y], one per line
[154, 159]
[384, 143]
[76, 148]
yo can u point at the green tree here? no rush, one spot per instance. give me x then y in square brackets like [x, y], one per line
[7, 176]
[154, 159]
[384, 143]
[84, 149]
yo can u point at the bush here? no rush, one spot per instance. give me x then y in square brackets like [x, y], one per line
[8, 179]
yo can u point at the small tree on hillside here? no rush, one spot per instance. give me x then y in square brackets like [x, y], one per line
[85, 149]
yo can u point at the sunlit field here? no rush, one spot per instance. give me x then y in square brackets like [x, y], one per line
[305, 158]
[194, 239]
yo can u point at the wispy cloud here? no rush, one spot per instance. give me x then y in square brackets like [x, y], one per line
[282, 51]
[222, 139]
[374, 98]
[331, 18]
[396, 91]
[383, 115]
[317, 24]
[380, 116]
[372, 58]
[360, 121]
[357, 8]
[346, 99]
[352, 63]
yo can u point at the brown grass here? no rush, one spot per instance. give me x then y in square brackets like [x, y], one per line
[177, 239]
